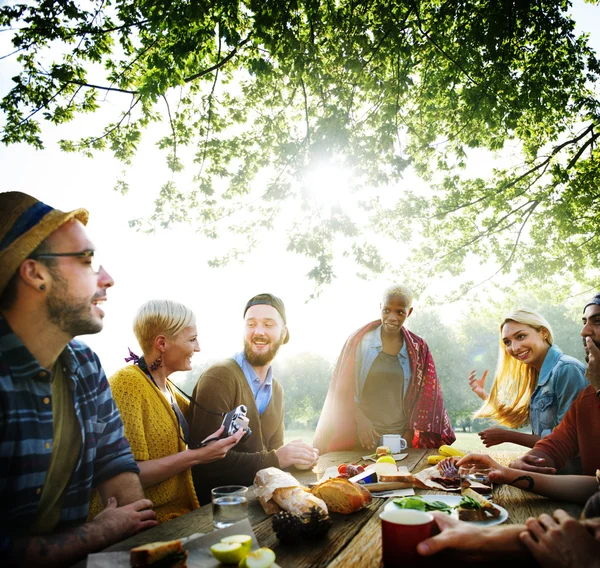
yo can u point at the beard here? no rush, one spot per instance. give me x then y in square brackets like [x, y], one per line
[71, 315]
[261, 359]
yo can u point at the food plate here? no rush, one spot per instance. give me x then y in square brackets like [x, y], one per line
[452, 501]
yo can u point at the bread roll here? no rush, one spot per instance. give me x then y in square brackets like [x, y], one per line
[342, 496]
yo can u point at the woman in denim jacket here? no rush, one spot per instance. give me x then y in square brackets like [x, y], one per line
[535, 382]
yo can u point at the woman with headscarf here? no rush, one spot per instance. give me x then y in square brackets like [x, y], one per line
[155, 414]
[384, 383]
[535, 382]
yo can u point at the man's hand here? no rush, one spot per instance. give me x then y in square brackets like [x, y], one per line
[367, 435]
[592, 371]
[498, 473]
[560, 541]
[297, 452]
[493, 436]
[478, 385]
[529, 462]
[217, 450]
[116, 523]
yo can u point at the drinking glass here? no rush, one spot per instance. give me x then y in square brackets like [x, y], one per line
[477, 478]
[229, 505]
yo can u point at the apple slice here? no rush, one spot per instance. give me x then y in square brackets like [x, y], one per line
[244, 539]
[261, 558]
[228, 552]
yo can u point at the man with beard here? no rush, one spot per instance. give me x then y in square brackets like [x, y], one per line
[247, 379]
[60, 432]
[578, 432]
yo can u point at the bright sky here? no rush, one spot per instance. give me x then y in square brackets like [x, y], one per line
[172, 264]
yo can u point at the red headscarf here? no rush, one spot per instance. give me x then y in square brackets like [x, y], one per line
[423, 402]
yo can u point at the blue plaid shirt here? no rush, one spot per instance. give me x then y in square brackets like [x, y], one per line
[26, 433]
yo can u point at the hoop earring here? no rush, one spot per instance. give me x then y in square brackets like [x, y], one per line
[156, 363]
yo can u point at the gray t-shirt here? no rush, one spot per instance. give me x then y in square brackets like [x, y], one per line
[382, 399]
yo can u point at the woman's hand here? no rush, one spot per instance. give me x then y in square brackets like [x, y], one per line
[494, 436]
[478, 385]
[367, 435]
[498, 473]
[217, 450]
[560, 541]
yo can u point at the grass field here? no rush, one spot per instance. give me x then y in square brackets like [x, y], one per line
[467, 441]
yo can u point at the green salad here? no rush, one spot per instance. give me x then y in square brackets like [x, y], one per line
[418, 503]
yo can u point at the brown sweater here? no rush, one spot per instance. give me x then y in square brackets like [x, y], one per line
[222, 388]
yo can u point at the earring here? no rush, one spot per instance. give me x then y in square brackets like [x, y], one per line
[156, 363]
[42, 287]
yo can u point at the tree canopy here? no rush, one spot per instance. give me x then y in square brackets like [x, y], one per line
[255, 94]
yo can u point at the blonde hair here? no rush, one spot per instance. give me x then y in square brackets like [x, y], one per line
[515, 381]
[160, 317]
[400, 291]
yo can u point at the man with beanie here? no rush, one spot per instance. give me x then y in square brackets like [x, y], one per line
[247, 378]
[60, 432]
[579, 430]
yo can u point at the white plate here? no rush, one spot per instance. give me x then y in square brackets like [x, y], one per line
[452, 501]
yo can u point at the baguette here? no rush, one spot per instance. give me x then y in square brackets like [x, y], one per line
[159, 553]
[342, 496]
[297, 500]
[485, 505]
[397, 478]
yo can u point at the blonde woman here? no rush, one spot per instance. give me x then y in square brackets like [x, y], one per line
[155, 414]
[535, 382]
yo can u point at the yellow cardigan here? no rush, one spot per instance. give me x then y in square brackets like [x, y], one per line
[152, 430]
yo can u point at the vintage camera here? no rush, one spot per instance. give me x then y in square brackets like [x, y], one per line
[233, 421]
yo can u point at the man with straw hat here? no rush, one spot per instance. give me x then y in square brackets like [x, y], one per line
[60, 432]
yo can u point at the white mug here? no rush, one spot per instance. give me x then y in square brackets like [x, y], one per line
[395, 442]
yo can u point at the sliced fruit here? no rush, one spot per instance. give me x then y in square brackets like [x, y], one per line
[229, 552]
[244, 539]
[386, 459]
[450, 451]
[435, 459]
[260, 558]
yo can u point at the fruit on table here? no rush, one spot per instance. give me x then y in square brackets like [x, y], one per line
[261, 558]
[229, 552]
[386, 459]
[449, 451]
[342, 468]
[432, 460]
[244, 539]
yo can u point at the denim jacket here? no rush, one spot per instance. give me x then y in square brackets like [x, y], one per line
[561, 379]
[366, 353]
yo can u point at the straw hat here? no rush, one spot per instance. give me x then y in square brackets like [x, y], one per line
[24, 223]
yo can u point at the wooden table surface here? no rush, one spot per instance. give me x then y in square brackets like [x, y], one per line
[354, 540]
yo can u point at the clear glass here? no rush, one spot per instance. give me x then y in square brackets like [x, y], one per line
[477, 478]
[229, 505]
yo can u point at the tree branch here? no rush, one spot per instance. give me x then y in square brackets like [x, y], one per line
[217, 66]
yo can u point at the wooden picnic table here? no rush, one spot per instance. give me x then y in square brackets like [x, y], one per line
[354, 540]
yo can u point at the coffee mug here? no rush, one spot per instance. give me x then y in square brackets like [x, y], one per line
[395, 442]
[401, 531]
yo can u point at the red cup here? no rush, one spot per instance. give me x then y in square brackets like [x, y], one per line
[401, 531]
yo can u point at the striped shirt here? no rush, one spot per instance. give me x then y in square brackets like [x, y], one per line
[26, 433]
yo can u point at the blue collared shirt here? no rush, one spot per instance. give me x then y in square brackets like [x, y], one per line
[367, 351]
[561, 379]
[26, 433]
[262, 393]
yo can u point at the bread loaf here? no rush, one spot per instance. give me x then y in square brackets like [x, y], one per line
[342, 496]
[276, 490]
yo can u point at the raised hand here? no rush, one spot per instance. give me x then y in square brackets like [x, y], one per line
[478, 384]
[493, 436]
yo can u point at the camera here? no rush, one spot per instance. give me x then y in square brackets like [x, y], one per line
[232, 422]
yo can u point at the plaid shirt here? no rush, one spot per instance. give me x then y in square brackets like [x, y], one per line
[26, 433]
